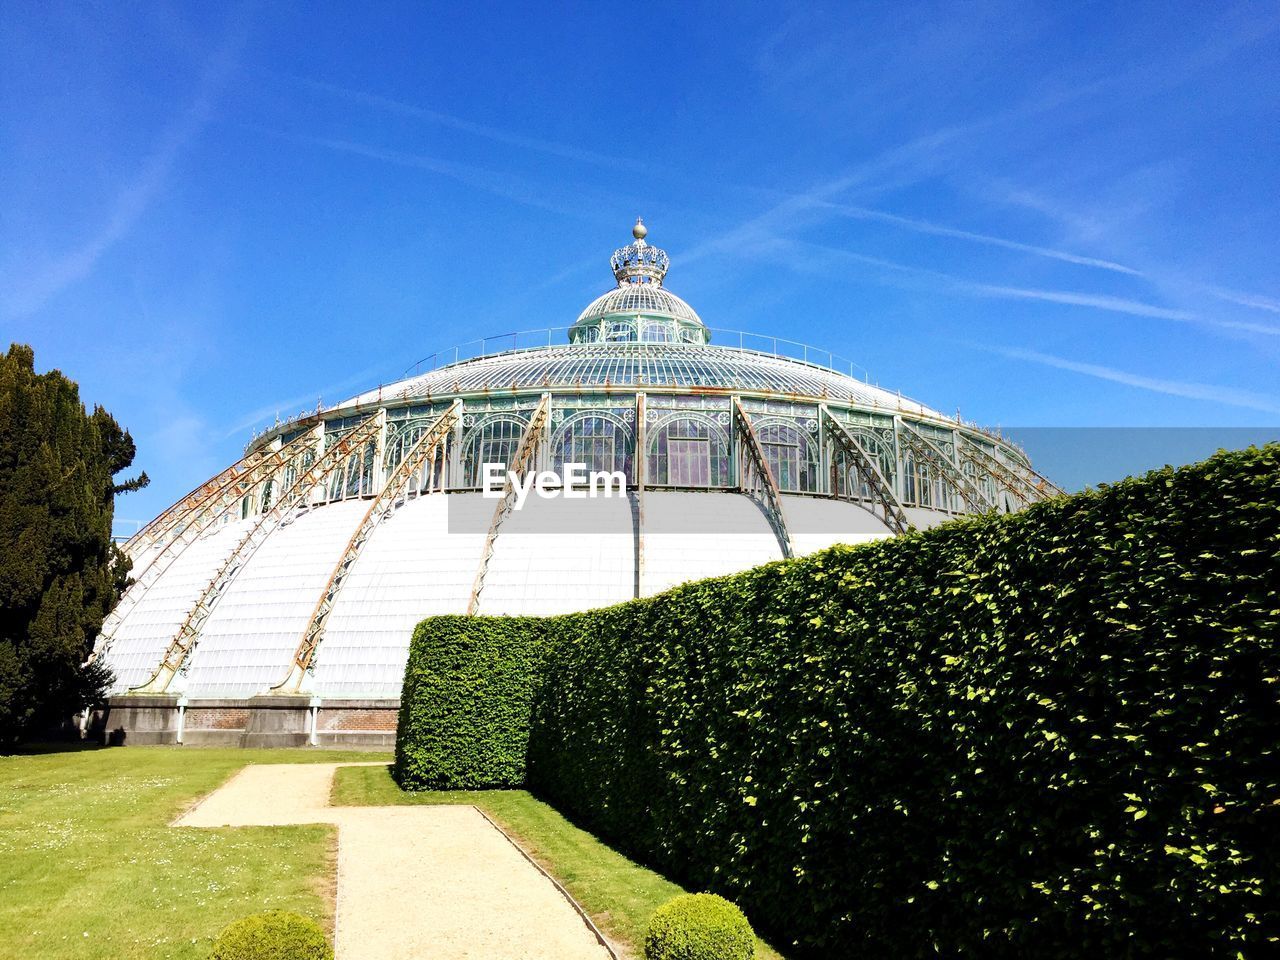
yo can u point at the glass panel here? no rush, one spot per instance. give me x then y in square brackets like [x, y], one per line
[784, 461]
[690, 450]
[689, 461]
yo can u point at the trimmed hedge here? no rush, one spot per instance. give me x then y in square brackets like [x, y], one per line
[274, 935]
[699, 926]
[466, 703]
[1046, 735]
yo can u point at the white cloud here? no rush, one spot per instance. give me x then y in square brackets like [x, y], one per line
[941, 230]
[1176, 388]
[485, 131]
[28, 294]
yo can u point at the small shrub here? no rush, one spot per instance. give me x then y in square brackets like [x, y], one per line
[699, 926]
[274, 935]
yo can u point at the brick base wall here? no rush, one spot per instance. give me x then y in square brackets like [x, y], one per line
[380, 719]
[217, 718]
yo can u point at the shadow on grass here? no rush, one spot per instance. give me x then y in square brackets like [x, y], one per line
[37, 747]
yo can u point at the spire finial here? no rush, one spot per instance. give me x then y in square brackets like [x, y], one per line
[639, 231]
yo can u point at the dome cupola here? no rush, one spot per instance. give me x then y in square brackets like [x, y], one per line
[639, 308]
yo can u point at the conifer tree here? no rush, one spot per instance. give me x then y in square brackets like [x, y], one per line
[60, 573]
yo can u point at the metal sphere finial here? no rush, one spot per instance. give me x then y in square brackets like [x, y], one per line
[639, 231]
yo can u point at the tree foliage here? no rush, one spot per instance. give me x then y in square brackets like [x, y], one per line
[1045, 735]
[60, 573]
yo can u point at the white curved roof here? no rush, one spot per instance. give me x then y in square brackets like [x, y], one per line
[422, 561]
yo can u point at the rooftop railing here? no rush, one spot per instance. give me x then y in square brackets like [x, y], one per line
[720, 337]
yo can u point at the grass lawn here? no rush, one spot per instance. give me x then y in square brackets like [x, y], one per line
[619, 895]
[90, 868]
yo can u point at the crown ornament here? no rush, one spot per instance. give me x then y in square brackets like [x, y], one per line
[639, 262]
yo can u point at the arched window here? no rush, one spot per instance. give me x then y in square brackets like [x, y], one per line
[620, 331]
[688, 450]
[401, 438]
[600, 440]
[494, 440]
[792, 456]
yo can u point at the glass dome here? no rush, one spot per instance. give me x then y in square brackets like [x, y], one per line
[639, 309]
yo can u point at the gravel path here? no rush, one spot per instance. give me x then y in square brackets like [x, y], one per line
[427, 883]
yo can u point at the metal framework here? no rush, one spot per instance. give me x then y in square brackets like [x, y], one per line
[641, 461]
[198, 518]
[396, 491]
[755, 477]
[752, 402]
[298, 494]
[925, 449]
[520, 464]
[1022, 482]
[895, 516]
[156, 531]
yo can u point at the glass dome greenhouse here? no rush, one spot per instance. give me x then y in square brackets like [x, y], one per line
[302, 568]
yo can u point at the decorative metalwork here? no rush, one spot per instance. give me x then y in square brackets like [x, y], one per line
[756, 479]
[191, 525]
[1021, 482]
[490, 440]
[924, 449]
[521, 463]
[638, 262]
[791, 452]
[160, 528]
[895, 516]
[297, 495]
[425, 456]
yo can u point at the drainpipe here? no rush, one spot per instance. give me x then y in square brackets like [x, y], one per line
[182, 716]
[314, 721]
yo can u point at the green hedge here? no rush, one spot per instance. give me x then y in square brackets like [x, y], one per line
[466, 704]
[1045, 735]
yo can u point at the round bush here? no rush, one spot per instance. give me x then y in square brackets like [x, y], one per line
[699, 926]
[274, 935]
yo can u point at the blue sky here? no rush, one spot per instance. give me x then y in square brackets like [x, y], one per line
[1038, 214]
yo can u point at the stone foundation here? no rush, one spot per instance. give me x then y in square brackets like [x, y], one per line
[267, 721]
